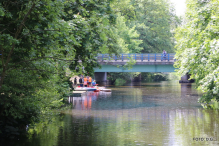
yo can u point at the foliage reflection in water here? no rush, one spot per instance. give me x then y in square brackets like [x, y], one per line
[164, 113]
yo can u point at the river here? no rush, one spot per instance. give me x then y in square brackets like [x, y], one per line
[157, 114]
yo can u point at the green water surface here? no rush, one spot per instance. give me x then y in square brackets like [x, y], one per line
[157, 114]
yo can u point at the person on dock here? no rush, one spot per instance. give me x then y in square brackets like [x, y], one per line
[94, 83]
[81, 81]
[75, 80]
[89, 81]
[85, 81]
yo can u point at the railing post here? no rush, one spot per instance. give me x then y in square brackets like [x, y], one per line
[142, 57]
[168, 57]
[102, 57]
[155, 57]
[135, 56]
[122, 57]
[148, 57]
[115, 58]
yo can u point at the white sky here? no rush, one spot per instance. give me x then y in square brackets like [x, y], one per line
[180, 6]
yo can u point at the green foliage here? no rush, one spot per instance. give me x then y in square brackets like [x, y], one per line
[97, 32]
[119, 82]
[128, 37]
[150, 77]
[145, 26]
[154, 21]
[121, 76]
[39, 41]
[198, 47]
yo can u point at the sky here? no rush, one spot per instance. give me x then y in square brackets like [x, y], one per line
[180, 6]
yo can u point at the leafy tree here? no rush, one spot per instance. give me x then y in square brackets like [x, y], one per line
[39, 41]
[128, 37]
[153, 22]
[198, 47]
[99, 36]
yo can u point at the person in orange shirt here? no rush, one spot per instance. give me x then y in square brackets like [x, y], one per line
[85, 82]
[90, 81]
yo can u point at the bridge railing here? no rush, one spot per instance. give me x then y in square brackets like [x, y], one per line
[137, 57]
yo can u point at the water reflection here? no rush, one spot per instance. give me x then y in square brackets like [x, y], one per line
[165, 113]
[84, 102]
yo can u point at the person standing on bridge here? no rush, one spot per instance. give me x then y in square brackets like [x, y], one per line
[164, 54]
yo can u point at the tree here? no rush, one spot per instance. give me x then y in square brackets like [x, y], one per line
[99, 36]
[198, 47]
[128, 36]
[153, 20]
[39, 41]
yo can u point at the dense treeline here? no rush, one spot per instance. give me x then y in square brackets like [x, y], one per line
[198, 48]
[153, 22]
[41, 41]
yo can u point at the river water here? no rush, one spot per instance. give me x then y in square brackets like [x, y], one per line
[142, 114]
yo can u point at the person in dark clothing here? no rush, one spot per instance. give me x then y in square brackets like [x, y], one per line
[71, 84]
[81, 81]
[75, 81]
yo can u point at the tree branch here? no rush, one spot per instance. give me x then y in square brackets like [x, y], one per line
[38, 59]
[18, 31]
[13, 45]
[35, 31]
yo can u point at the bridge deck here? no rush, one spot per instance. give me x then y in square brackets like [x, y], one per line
[150, 57]
[138, 62]
[151, 62]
